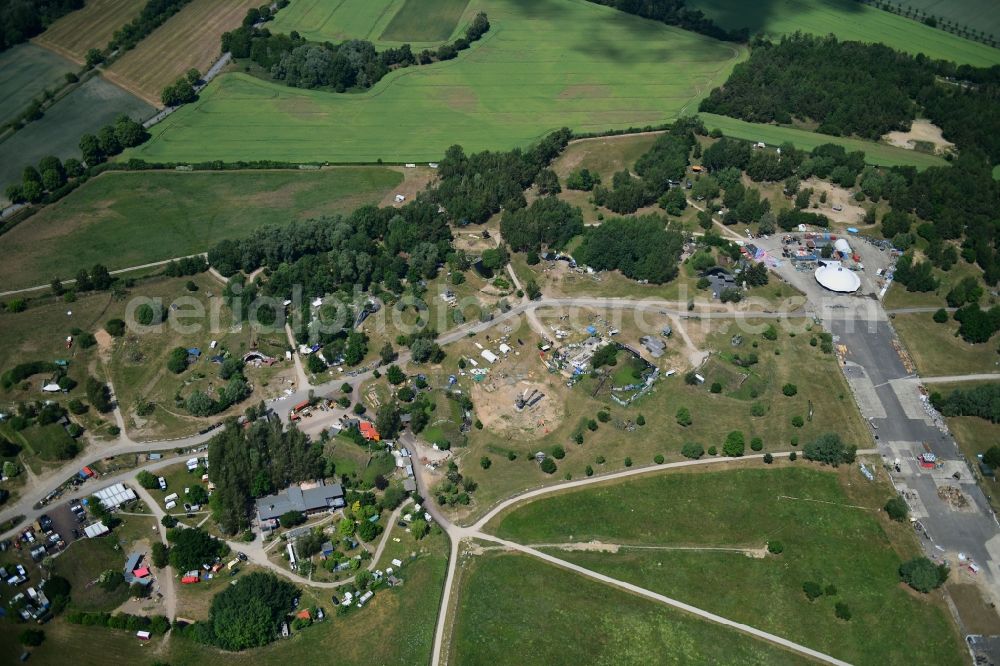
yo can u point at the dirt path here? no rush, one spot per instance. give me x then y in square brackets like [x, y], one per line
[601, 547]
[695, 356]
[167, 578]
[118, 271]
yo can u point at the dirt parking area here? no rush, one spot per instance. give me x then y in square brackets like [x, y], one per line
[415, 180]
[836, 197]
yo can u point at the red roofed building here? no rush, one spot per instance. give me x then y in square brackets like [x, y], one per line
[368, 431]
[141, 573]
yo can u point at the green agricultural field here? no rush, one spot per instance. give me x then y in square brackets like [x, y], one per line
[979, 16]
[517, 609]
[542, 66]
[848, 19]
[875, 153]
[124, 219]
[88, 108]
[425, 21]
[25, 72]
[813, 512]
[336, 20]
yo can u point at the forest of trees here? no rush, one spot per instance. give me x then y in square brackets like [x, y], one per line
[547, 221]
[20, 20]
[674, 12]
[248, 463]
[982, 401]
[247, 615]
[328, 254]
[352, 64]
[666, 161]
[833, 83]
[642, 248]
[474, 187]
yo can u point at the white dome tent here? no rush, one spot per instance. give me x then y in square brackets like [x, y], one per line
[833, 276]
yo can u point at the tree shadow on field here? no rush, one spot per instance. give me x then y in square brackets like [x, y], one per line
[756, 15]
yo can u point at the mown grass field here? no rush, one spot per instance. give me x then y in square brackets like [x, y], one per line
[936, 348]
[132, 218]
[88, 108]
[852, 20]
[189, 38]
[40, 440]
[812, 511]
[517, 609]
[542, 66]
[26, 71]
[425, 20]
[88, 28]
[875, 153]
[336, 20]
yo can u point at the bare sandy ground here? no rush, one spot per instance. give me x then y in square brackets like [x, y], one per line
[921, 130]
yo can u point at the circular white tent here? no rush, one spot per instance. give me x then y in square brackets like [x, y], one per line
[842, 246]
[833, 276]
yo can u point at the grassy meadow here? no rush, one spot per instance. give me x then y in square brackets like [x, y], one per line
[517, 609]
[337, 20]
[829, 523]
[124, 219]
[875, 153]
[138, 369]
[88, 28]
[852, 20]
[936, 348]
[541, 66]
[88, 108]
[189, 38]
[26, 71]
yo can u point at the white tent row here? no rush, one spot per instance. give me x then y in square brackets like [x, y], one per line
[115, 495]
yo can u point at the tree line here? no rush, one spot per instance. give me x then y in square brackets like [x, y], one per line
[982, 401]
[350, 65]
[674, 12]
[153, 14]
[52, 177]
